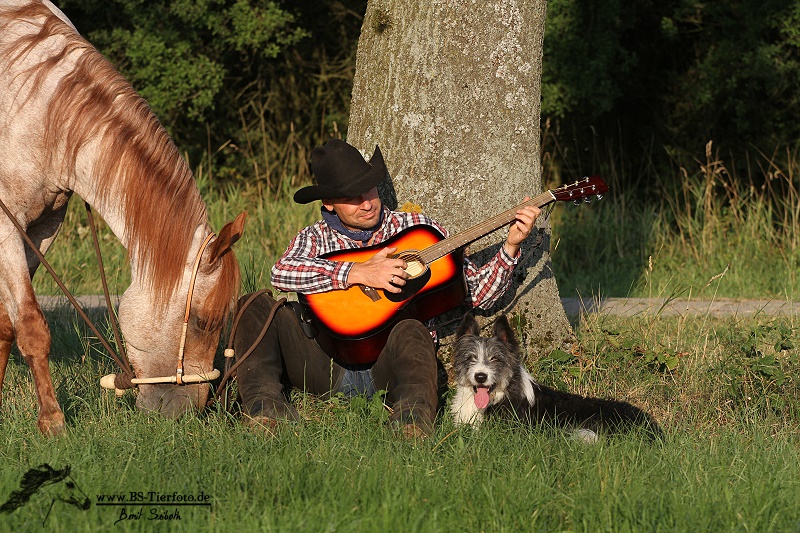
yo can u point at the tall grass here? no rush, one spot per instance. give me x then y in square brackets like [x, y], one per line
[704, 223]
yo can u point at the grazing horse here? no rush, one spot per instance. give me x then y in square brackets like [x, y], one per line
[69, 122]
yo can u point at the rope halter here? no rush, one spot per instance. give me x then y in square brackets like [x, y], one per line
[109, 381]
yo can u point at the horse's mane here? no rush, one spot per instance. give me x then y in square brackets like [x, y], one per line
[137, 165]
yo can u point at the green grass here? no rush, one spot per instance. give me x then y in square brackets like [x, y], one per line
[708, 233]
[725, 391]
[705, 224]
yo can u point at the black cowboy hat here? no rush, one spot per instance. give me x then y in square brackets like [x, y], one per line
[340, 171]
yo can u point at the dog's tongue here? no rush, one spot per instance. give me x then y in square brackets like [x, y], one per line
[482, 397]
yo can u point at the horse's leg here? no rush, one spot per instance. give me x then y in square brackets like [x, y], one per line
[31, 330]
[6, 340]
[42, 232]
[33, 341]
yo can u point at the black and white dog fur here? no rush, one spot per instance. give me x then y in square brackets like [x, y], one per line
[490, 378]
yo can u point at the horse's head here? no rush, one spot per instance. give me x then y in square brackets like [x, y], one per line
[153, 333]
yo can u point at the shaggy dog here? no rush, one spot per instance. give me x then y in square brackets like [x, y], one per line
[490, 378]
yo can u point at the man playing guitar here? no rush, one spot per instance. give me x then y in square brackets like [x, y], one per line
[353, 217]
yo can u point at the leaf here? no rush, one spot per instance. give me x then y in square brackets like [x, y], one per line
[784, 345]
[614, 342]
[671, 362]
[560, 356]
[628, 343]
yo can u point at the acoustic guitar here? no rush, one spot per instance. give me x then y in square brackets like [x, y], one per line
[352, 325]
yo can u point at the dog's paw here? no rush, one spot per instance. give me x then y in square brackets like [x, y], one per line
[586, 436]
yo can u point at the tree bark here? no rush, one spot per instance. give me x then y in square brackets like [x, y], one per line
[450, 91]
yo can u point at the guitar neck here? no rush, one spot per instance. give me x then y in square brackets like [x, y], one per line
[451, 244]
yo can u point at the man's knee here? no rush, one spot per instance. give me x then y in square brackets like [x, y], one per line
[409, 355]
[254, 314]
[412, 332]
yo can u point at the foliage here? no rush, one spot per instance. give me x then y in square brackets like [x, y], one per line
[244, 86]
[761, 371]
[741, 367]
[741, 84]
[179, 55]
[249, 86]
[586, 56]
[679, 71]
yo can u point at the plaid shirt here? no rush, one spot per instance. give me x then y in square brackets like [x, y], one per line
[300, 269]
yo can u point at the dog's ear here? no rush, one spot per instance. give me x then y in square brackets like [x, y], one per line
[503, 330]
[468, 326]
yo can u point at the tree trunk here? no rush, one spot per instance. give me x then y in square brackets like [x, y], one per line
[450, 91]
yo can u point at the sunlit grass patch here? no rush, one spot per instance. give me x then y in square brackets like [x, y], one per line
[729, 459]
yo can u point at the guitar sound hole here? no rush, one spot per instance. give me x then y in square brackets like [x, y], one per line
[415, 266]
[418, 273]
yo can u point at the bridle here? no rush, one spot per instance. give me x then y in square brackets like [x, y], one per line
[179, 378]
[118, 381]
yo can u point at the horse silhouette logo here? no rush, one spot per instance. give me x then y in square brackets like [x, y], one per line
[43, 476]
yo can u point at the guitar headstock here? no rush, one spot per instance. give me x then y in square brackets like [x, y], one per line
[581, 190]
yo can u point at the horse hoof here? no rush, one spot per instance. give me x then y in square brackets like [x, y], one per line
[52, 426]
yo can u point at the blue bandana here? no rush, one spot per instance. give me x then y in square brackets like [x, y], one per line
[332, 219]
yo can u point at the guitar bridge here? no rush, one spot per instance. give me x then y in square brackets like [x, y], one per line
[370, 292]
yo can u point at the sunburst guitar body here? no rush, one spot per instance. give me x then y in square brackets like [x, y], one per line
[353, 324]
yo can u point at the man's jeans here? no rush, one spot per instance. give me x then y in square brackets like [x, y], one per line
[406, 368]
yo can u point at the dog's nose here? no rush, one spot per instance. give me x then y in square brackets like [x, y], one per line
[481, 377]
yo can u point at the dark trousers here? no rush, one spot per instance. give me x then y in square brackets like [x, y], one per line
[406, 368]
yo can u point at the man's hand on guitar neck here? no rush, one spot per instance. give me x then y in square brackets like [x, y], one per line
[521, 228]
[388, 273]
[380, 272]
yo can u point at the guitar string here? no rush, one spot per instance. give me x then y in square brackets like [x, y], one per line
[442, 248]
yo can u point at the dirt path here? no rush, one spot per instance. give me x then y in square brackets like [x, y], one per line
[679, 307]
[51, 303]
[576, 306]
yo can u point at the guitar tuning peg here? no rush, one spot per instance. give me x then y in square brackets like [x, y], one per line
[587, 200]
[599, 196]
[576, 201]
